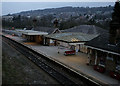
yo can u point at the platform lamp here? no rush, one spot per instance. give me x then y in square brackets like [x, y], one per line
[56, 26]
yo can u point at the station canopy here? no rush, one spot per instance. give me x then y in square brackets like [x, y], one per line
[71, 37]
[32, 32]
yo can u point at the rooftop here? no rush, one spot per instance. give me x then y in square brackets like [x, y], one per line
[49, 30]
[72, 37]
[102, 42]
[88, 29]
[32, 32]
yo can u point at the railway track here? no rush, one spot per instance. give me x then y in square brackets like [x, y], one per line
[62, 74]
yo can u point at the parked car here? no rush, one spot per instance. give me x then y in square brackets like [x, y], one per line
[115, 74]
[99, 68]
[69, 52]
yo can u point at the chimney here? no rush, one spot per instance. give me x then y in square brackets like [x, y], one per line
[56, 23]
[114, 31]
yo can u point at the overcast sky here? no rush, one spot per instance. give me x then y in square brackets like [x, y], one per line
[15, 6]
[59, 0]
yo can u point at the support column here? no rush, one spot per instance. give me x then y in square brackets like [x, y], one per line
[68, 45]
[89, 59]
[44, 41]
[79, 47]
[58, 48]
[96, 57]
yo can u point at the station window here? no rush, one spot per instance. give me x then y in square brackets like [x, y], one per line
[117, 60]
[110, 57]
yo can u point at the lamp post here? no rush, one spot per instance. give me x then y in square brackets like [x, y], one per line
[58, 48]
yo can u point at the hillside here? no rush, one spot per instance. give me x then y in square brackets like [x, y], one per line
[68, 17]
[64, 9]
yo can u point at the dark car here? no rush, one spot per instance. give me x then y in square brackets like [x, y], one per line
[70, 52]
[99, 68]
[115, 74]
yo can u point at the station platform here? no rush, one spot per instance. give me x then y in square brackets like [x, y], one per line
[75, 62]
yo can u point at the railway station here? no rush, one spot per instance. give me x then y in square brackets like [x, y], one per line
[95, 57]
[75, 62]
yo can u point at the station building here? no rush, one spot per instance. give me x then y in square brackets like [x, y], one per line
[72, 40]
[34, 36]
[38, 34]
[104, 50]
[101, 52]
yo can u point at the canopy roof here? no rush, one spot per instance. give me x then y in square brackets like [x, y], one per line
[71, 37]
[32, 32]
